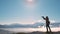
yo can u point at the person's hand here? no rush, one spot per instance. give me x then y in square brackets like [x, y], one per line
[42, 16]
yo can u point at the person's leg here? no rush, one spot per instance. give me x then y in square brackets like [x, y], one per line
[49, 29]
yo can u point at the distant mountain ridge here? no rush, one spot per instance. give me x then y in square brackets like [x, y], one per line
[29, 25]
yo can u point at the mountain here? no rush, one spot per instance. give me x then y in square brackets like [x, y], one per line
[29, 25]
[16, 26]
[55, 24]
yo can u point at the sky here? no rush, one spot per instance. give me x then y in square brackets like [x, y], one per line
[28, 11]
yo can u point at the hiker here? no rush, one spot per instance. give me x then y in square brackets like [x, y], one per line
[47, 23]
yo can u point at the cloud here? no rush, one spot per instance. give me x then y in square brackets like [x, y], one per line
[52, 21]
[43, 21]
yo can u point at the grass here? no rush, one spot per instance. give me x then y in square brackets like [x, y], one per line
[19, 33]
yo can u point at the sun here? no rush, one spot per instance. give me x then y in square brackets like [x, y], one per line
[29, 0]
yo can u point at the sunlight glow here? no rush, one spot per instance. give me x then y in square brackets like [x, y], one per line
[31, 29]
[29, 0]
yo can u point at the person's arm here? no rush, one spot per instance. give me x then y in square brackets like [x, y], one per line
[43, 17]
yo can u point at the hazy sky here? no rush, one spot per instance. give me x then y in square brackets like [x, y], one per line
[28, 12]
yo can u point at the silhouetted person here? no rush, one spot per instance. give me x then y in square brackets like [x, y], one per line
[47, 23]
